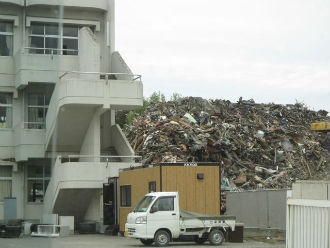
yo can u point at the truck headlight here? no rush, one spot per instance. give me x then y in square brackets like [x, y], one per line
[141, 220]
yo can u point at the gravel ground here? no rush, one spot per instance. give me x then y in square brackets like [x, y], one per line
[251, 240]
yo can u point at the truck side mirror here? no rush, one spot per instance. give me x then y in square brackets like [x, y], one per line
[154, 209]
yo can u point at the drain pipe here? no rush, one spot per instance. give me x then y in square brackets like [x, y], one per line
[24, 27]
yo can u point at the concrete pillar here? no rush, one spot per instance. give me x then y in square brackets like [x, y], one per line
[92, 144]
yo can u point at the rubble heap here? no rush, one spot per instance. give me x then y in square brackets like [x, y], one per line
[258, 145]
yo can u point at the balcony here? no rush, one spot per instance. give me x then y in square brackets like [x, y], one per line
[34, 67]
[17, 2]
[74, 182]
[79, 97]
[98, 4]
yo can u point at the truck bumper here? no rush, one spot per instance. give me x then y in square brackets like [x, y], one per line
[136, 231]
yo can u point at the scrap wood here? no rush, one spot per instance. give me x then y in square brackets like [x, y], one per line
[242, 136]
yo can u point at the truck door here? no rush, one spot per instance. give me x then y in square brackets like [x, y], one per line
[164, 213]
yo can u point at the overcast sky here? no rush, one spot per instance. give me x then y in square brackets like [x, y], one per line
[273, 51]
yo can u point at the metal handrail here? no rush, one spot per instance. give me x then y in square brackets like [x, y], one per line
[69, 157]
[42, 125]
[135, 76]
[51, 49]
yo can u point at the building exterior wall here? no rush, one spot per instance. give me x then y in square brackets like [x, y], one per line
[54, 105]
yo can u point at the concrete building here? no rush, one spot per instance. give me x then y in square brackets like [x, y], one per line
[61, 83]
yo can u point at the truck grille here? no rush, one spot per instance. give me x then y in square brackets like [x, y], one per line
[131, 231]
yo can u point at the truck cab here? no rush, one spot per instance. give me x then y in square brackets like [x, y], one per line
[143, 221]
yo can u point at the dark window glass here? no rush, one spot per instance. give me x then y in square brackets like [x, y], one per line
[70, 31]
[37, 29]
[51, 29]
[125, 196]
[165, 204]
[152, 186]
[6, 38]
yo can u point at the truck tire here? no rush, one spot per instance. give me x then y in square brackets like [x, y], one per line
[216, 237]
[162, 238]
[200, 240]
[147, 241]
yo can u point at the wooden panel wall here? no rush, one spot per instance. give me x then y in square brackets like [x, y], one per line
[139, 180]
[202, 196]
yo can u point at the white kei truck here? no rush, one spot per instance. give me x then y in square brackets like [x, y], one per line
[158, 219]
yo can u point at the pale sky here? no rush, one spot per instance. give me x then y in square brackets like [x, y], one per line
[273, 51]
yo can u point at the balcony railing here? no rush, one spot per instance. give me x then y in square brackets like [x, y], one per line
[104, 75]
[82, 158]
[34, 125]
[51, 51]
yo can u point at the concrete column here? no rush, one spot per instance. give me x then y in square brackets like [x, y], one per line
[18, 189]
[92, 144]
[113, 117]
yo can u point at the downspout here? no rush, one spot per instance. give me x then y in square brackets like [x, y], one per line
[160, 178]
[110, 32]
[24, 27]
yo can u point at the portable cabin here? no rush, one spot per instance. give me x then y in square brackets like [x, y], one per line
[198, 185]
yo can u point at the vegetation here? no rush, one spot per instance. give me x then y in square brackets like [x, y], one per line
[125, 117]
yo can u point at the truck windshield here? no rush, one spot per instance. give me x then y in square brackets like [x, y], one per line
[143, 204]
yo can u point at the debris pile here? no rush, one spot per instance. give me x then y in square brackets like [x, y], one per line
[258, 145]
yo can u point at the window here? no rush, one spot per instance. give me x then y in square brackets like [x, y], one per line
[5, 182]
[6, 38]
[6, 110]
[37, 110]
[54, 39]
[165, 204]
[38, 177]
[38, 97]
[125, 196]
[152, 186]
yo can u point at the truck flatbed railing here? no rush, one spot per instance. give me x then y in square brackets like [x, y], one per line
[192, 215]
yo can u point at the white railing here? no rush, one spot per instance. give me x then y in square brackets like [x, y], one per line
[106, 75]
[50, 51]
[83, 158]
[34, 125]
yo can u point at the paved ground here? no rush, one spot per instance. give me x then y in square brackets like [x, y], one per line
[104, 241]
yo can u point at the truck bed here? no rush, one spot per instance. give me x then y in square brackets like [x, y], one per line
[187, 215]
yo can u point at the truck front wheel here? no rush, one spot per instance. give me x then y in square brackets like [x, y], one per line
[200, 240]
[162, 238]
[216, 237]
[147, 241]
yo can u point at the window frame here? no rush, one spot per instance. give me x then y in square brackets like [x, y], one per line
[6, 34]
[32, 107]
[161, 207]
[43, 107]
[7, 106]
[45, 179]
[58, 38]
[6, 178]
[126, 195]
[152, 186]
[62, 23]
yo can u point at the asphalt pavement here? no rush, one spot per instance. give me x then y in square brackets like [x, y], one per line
[105, 241]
